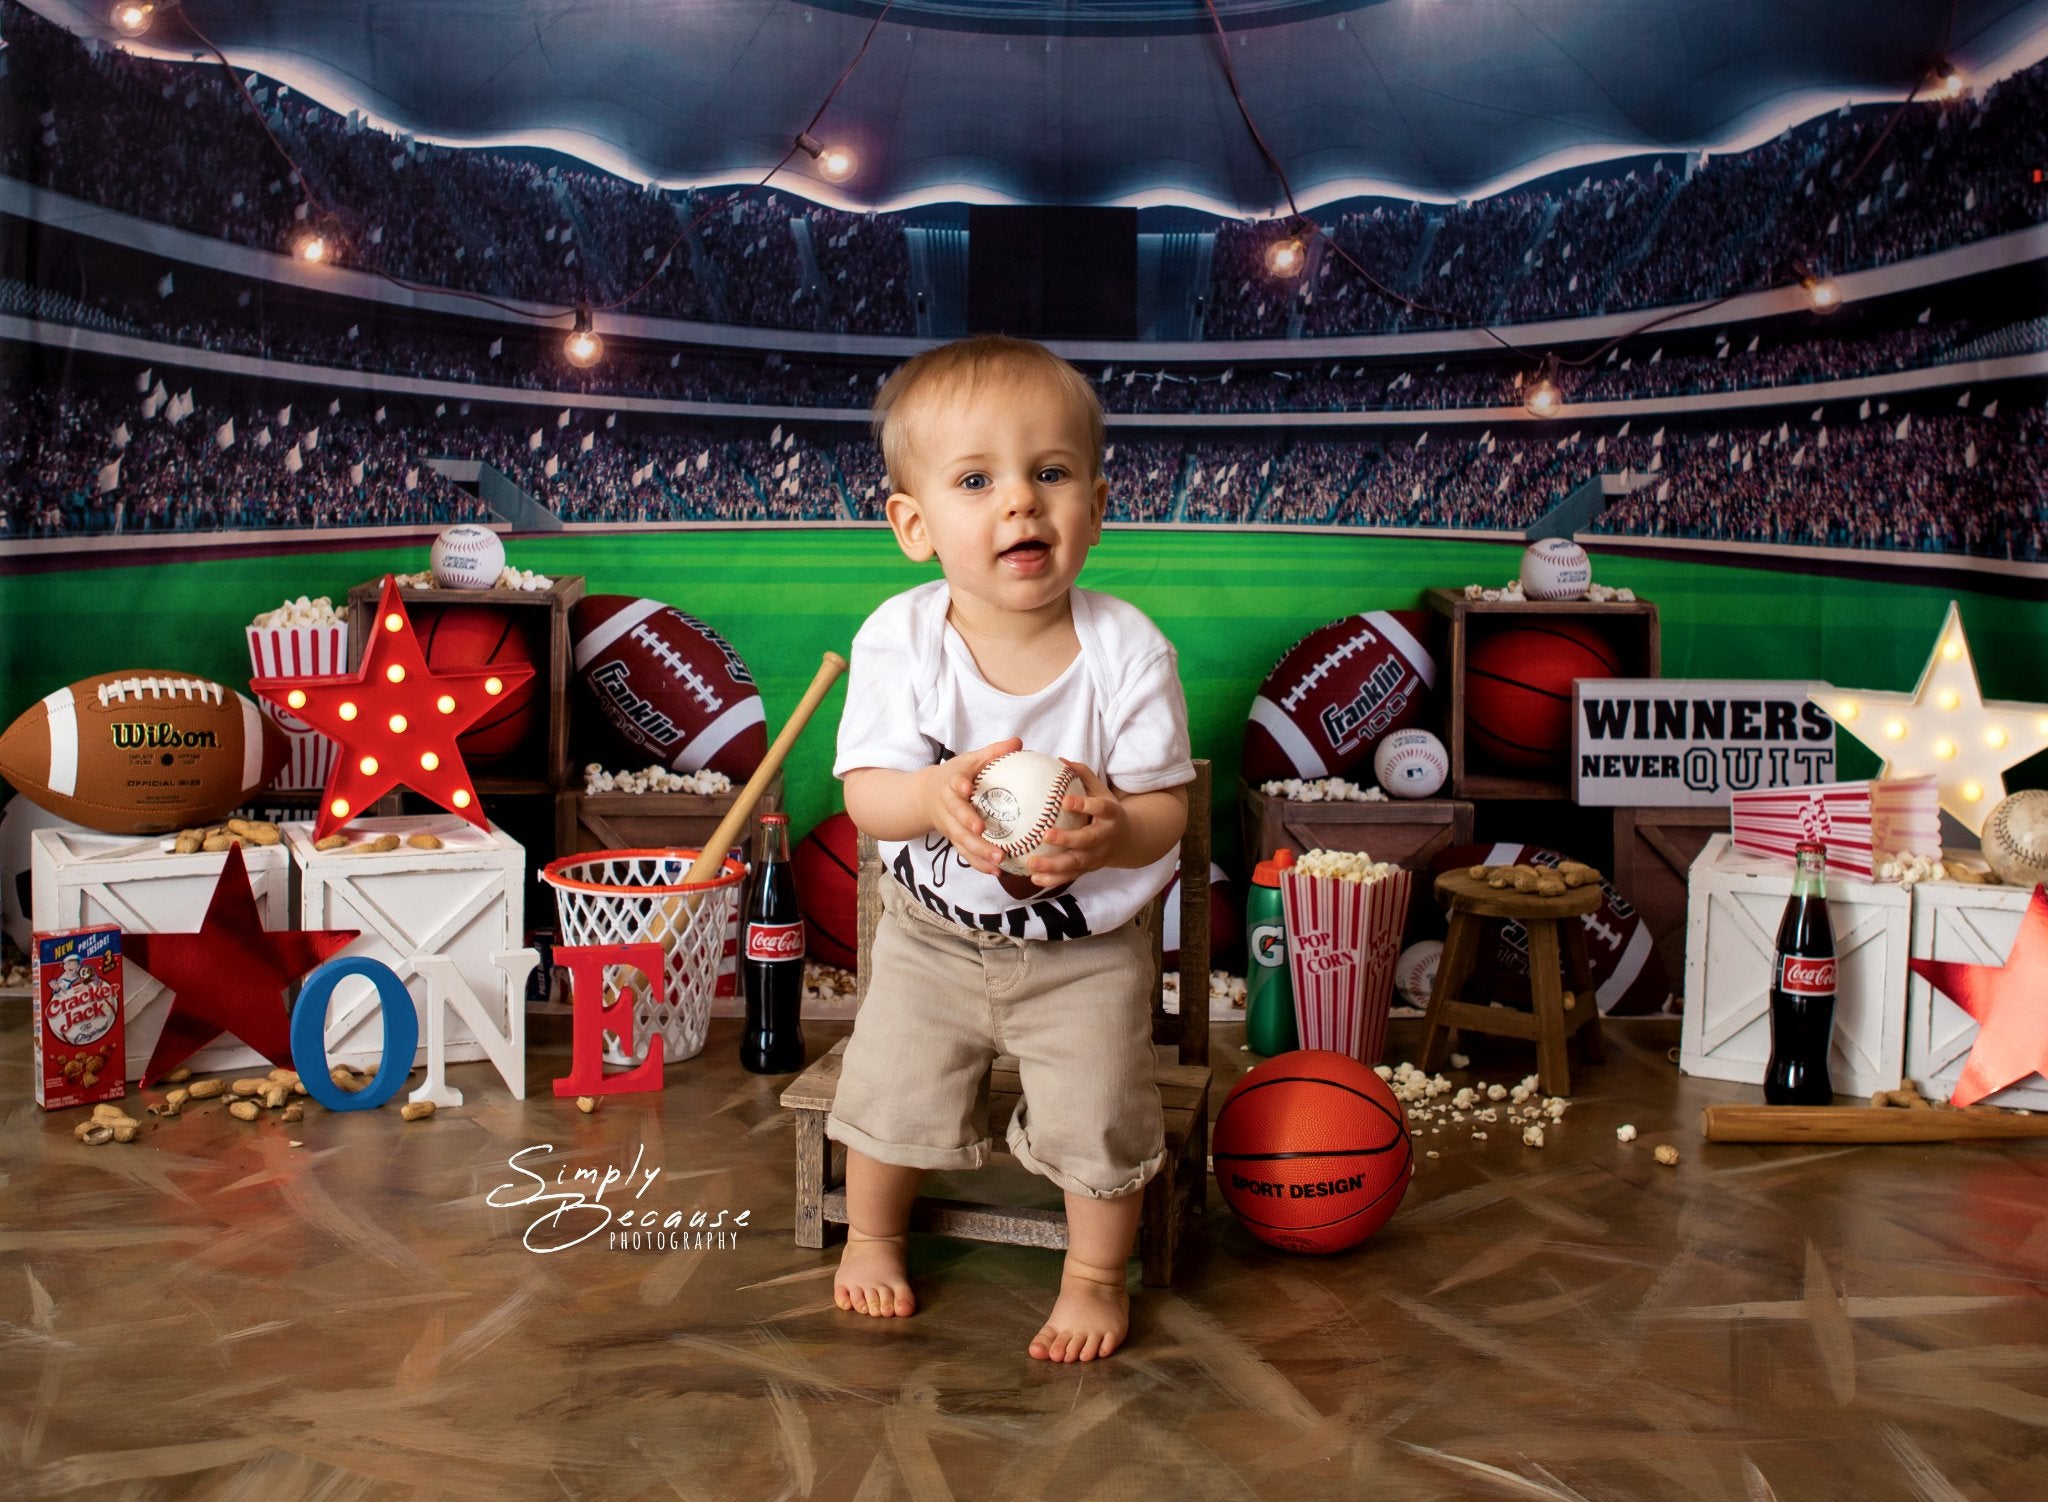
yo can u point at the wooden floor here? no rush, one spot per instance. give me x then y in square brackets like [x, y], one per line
[216, 1313]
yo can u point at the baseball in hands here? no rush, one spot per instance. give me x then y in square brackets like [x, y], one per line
[1021, 797]
[2016, 839]
[1411, 763]
[1555, 569]
[467, 557]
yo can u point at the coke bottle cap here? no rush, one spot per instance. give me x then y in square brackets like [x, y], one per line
[775, 818]
[1814, 845]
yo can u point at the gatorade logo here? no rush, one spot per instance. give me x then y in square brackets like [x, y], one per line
[1269, 945]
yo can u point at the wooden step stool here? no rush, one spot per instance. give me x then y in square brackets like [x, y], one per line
[1175, 1197]
[1555, 1013]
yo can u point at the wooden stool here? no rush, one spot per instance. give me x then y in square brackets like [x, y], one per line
[1555, 1014]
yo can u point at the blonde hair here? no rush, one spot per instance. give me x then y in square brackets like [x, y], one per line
[961, 366]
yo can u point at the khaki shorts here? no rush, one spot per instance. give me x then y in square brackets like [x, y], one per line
[943, 1000]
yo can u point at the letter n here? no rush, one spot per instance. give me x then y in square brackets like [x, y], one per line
[504, 1046]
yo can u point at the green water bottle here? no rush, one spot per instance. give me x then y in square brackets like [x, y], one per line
[1269, 993]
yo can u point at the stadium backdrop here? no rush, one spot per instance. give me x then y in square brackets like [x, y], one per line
[1231, 602]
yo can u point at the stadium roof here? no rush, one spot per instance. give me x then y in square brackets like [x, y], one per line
[1105, 101]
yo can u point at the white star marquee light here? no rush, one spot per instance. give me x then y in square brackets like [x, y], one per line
[1944, 728]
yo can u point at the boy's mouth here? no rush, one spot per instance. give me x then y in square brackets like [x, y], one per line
[1028, 556]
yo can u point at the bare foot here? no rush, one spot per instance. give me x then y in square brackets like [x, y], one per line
[871, 1277]
[1090, 1317]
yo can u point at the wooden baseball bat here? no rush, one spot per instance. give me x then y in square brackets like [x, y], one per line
[1873, 1124]
[712, 856]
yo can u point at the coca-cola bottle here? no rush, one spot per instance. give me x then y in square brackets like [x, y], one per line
[772, 957]
[1803, 989]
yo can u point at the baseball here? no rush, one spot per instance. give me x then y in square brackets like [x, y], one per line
[1555, 569]
[1411, 763]
[1415, 971]
[467, 557]
[2016, 839]
[1021, 797]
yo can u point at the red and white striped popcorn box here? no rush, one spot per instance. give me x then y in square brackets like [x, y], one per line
[1860, 823]
[1343, 938]
[299, 652]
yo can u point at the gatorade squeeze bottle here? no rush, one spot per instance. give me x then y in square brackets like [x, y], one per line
[1269, 993]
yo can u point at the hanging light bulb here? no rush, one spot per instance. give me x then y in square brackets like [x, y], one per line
[583, 348]
[1543, 398]
[1822, 295]
[1287, 257]
[835, 163]
[1947, 81]
[312, 247]
[132, 19]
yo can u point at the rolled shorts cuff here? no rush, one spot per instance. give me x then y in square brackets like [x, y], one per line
[1020, 1149]
[908, 1154]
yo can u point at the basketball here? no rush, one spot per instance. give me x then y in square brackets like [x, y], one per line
[1518, 690]
[477, 636]
[1312, 1151]
[826, 863]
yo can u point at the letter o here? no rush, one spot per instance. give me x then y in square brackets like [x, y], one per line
[309, 1033]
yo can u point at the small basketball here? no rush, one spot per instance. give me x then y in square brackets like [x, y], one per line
[1312, 1151]
[826, 863]
[1518, 690]
[477, 636]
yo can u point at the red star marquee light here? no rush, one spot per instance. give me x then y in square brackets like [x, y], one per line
[395, 720]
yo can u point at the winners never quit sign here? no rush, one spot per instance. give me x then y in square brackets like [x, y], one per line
[1674, 743]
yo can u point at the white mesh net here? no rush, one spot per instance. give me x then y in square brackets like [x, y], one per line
[603, 899]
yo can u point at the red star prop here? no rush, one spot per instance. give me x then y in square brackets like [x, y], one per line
[231, 976]
[2010, 1003]
[395, 720]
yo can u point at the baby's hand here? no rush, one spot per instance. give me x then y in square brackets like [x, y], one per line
[950, 808]
[1092, 846]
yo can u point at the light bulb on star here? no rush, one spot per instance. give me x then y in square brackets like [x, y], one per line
[1945, 728]
[395, 719]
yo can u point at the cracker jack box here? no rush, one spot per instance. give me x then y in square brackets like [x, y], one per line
[78, 1045]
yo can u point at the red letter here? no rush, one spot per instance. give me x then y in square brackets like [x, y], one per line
[586, 967]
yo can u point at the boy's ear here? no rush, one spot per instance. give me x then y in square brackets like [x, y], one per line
[907, 522]
[1101, 504]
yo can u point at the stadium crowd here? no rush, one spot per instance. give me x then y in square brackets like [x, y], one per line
[177, 144]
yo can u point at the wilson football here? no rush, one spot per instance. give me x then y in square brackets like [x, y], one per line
[1335, 692]
[141, 752]
[671, 688]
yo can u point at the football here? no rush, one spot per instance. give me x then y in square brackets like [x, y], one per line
[1628, 977]
[141, 752]
[671, 688]
[1335, 692]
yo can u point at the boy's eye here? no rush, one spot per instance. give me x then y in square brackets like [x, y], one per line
[974, 482]
[1052, 474]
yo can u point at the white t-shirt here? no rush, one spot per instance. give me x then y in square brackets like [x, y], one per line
[914, 698]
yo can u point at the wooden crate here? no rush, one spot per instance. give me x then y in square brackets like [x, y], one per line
[1654, 849]
[543, 766]
[1407, 831]
[1632, 629]
[652, 821]
[1969, 925]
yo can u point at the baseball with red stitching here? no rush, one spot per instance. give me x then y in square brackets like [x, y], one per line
[1021, 797]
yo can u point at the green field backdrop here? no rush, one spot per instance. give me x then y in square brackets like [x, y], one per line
[1231, 602]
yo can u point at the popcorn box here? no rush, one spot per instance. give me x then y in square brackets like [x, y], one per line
[1859, 822]
[82, 878]
[1343, 937]
[465, 900]
[1735, 901]
[77, 1022]
[296, 651]
[1971, 925]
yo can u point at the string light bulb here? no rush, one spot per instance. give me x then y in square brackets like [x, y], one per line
[1544, 399]
[1287, 257]
[1948, 82]
[1822, 295]
[583, 348]
[132, 19]
[311, 247]
[835, 163]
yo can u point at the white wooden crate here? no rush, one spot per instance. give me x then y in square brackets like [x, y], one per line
[1970, 925]
[1734, 902]
[80, 877]
[465, 900]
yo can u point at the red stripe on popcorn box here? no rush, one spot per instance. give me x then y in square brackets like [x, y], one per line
[1343, 938]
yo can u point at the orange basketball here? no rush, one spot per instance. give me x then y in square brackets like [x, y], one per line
[1518, 689]
[1312, 1151]
[477, 636]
